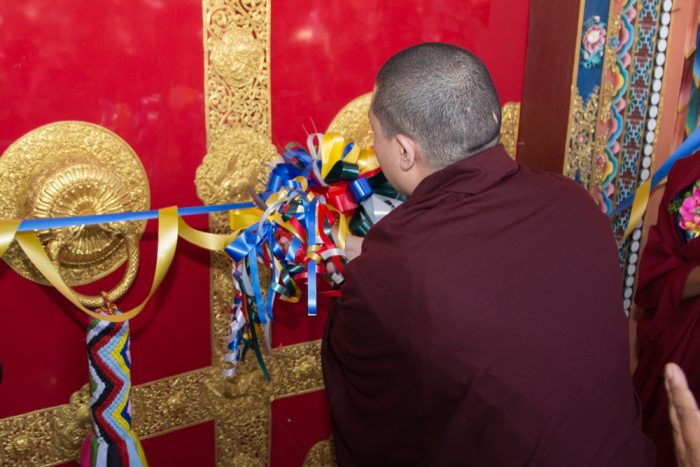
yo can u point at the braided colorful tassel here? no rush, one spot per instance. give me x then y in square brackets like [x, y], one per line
[112, 442]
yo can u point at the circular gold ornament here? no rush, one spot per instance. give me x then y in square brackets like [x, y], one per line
[75, 168]
[237, 57]
[321, 454]
[353, 123]
[235, 161]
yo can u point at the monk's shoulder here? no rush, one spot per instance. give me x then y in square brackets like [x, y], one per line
[556, 190]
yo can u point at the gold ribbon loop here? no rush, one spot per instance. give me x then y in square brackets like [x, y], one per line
[8, 229]
[206, 240]
[167, 243]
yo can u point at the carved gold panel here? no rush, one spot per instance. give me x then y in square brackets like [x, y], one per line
[510, 125]
[74, 168]
[353, 123]
[583, 122]
[240, 407]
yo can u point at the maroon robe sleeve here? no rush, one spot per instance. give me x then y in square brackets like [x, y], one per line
[369, 377]
[662, 276]
[668, 328]
[666, 261]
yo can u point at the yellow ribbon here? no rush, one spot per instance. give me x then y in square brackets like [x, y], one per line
[353, 155]
[239, 219]
[639, 205]
[170, 226]
[8, 229]
[343, 230]
[206, 240]
[332, 146]
[343, 226]
[167, 242]
[367, 161]
[244, 218]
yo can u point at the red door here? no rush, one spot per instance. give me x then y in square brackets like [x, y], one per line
[173, 78]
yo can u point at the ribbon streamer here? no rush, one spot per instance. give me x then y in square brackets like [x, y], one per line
[27, 225]
[8, 229]
[332, 185]
[167, 242]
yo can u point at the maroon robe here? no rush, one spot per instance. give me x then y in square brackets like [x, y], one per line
[483, 325]
[668, 330]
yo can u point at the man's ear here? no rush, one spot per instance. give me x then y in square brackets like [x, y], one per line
[408, 151]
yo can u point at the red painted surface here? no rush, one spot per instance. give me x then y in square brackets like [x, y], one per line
[137, 69]
[327, 52]
[194, 445]
[296, 427]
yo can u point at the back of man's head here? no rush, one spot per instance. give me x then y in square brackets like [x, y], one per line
[442, 97]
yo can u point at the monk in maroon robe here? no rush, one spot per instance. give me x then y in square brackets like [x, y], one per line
[668, 329]
[482, 324]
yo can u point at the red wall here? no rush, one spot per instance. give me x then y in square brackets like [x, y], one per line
[327, 52]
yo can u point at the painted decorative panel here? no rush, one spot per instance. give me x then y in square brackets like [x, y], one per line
[616, 107]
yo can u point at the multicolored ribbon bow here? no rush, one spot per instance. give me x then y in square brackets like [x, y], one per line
[313, 199]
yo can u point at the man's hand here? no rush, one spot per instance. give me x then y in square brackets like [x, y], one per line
[353, 246]
[685, 417]
[353, 243]
[691, 288]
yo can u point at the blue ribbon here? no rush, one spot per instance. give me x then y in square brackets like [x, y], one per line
[243, 244]
[311, 266]
[283, 175]
[347, 150]
[301, 158]
[59, 222]
[255, 279]
[274, 276]
[360, 190]
[294, 246]
[298, 163]
[689, 147]
[236, 342]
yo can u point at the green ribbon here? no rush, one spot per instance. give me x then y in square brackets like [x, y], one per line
[343, 171]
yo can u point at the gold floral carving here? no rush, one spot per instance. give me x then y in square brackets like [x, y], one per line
[72, 422]
[240, 407]
[580, 150]
[237, 57]
[510, 124]
[237, 65]
[589, 123]
[234, 163]
[72, 169]
[353, 123]
[322, 454]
